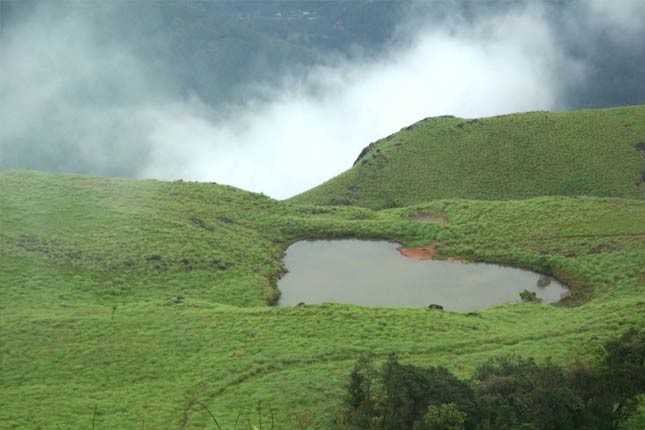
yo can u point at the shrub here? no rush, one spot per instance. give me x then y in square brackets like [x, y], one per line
[529, 297]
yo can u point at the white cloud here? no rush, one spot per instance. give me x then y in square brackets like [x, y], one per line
[621, 17]
[301, 139]
[70, 103]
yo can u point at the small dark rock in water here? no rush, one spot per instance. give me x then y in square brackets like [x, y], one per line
[301, 304]
[433, 306]
[473, 314]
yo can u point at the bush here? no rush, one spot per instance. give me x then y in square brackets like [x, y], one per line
[529, 297]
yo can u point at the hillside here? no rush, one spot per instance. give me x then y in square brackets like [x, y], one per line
[142, 298]
[518, 156]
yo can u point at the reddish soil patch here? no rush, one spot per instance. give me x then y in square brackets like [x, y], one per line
[421, 253]
[426, 253]
[428, 218]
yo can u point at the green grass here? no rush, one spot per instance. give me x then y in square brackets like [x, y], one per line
[518, 156]
[72, 247]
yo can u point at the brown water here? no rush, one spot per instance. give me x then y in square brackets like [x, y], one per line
[374, 273]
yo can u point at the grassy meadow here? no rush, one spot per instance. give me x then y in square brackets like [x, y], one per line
[143, 299]
[517, 156]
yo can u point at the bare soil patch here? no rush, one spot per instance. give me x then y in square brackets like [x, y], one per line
[426, 253]
[428, 218]
[421, 253]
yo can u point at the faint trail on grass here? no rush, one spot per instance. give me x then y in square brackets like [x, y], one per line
[458, 350]
[453, 352]
[576, 236]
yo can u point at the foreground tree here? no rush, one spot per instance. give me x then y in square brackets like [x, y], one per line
[444, 417]
[398, 396]
[513, 392]
[622, 374]
[361, 397]
[506, 393]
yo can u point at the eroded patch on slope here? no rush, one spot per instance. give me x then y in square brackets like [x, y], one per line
[424, 217]
[641, 147]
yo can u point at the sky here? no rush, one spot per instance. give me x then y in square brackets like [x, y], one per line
[76, 101]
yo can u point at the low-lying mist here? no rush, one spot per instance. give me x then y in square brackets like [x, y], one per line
[77, 100]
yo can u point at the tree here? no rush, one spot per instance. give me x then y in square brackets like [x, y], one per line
[513, 392]
[398, 396]
[444, 417]
[622, 373]
[610, 392]
[360, 401]
[505, 393]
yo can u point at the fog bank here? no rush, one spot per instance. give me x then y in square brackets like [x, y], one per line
[74, 100]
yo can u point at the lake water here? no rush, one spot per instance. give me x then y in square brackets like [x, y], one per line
[375, 273]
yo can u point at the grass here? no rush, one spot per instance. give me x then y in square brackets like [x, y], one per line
[518, 156]
[191, 269]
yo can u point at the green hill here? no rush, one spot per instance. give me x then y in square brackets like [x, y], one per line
[518, 156]
[143, 298]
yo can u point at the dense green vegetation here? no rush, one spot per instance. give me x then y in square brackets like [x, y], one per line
[144, 298]
[505, 393]
[589, 152]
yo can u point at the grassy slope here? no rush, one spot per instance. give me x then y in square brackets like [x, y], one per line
[589, 152]
[71, 247]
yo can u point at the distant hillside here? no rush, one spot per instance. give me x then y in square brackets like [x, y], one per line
[588, 152]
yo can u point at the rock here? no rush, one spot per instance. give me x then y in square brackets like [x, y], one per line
[434, 306]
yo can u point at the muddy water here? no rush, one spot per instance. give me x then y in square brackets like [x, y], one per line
[374, 273]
